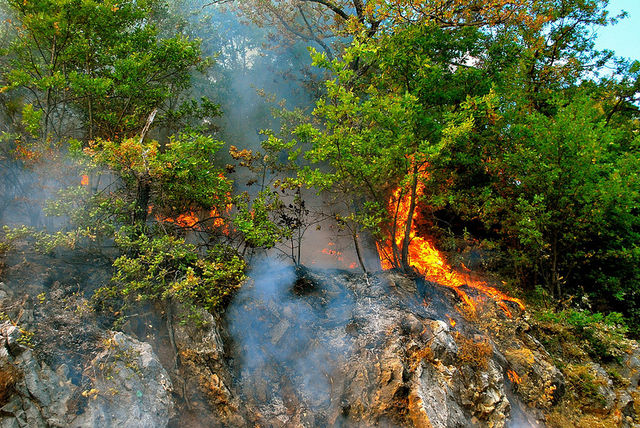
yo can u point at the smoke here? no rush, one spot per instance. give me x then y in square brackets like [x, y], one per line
[251, 74]
[290, 338]
[24, 192]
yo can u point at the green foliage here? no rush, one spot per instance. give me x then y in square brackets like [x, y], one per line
[519, 145]
[604, 335]
[92, 76]
[101, 64]
[254, 220]
[166, 268]
[558, 191]
[387, 113]
[9, 236]
[31, 119]
[181, 177]
[585, 386]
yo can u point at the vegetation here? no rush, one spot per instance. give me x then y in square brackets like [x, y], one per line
[533, 156]
[495, 122]
[108, 83]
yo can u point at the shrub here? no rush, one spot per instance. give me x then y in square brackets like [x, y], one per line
[165, 268]
[605, 334]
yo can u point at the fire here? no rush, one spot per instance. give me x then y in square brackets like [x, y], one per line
[191, 219]
[513, 377]
[344, 261]
[451, 321]
[332, 252]
[428, 261]
[85, 180]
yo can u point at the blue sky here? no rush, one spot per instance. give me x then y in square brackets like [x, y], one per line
[624, 37]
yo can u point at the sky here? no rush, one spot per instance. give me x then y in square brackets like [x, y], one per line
[624, 37]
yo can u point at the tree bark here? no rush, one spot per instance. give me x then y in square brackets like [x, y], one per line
[356, 244]
[406, 267]
[143, 196]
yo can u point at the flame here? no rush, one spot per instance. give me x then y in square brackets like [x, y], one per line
[345, 261]
[85, 180]
[192, 219]
[427, 260]
[334, 253]
[451, 321]
[513, 377]
[189, 219]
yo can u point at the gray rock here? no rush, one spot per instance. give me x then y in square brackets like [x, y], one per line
[146, 399]
[42, 395]
[12, 336]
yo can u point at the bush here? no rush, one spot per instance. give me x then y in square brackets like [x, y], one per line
[605, 334]
[166, 268]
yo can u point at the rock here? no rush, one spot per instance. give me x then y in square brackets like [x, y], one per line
[390, 363]
[604, 386]
[341, 349]
[203, 372]
[12, 335]
[146, 399]
[42, 397]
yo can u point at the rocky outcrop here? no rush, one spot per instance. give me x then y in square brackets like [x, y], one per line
[201, 372]
[129, 387]
[126, 386]
[350, 350]
[297, 348]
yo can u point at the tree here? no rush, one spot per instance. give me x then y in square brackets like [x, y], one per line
[559, 190]
[97, 78]
[331, 24]
[508, 131]
[379, 130]
[95, 69]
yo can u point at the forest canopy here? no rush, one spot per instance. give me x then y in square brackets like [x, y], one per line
[509, 134]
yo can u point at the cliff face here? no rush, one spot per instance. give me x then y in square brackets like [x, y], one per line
[326, 349]
[296, 348]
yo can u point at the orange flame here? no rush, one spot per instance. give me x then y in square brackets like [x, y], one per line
[427, 260]
[191, 219]
[334, 253]
[345, 261]
[513, 377]
[85, 180]
[451, 321]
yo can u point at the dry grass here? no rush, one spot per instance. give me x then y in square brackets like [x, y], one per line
[474, 353]
[9, 376]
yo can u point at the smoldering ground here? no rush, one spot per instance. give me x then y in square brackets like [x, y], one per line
[290, 337]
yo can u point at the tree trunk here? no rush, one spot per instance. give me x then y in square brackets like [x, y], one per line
[394, 231]
[143, 196]
[356, 244]
[407, 228]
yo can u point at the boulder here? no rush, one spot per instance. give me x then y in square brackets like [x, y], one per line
[127, 387]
